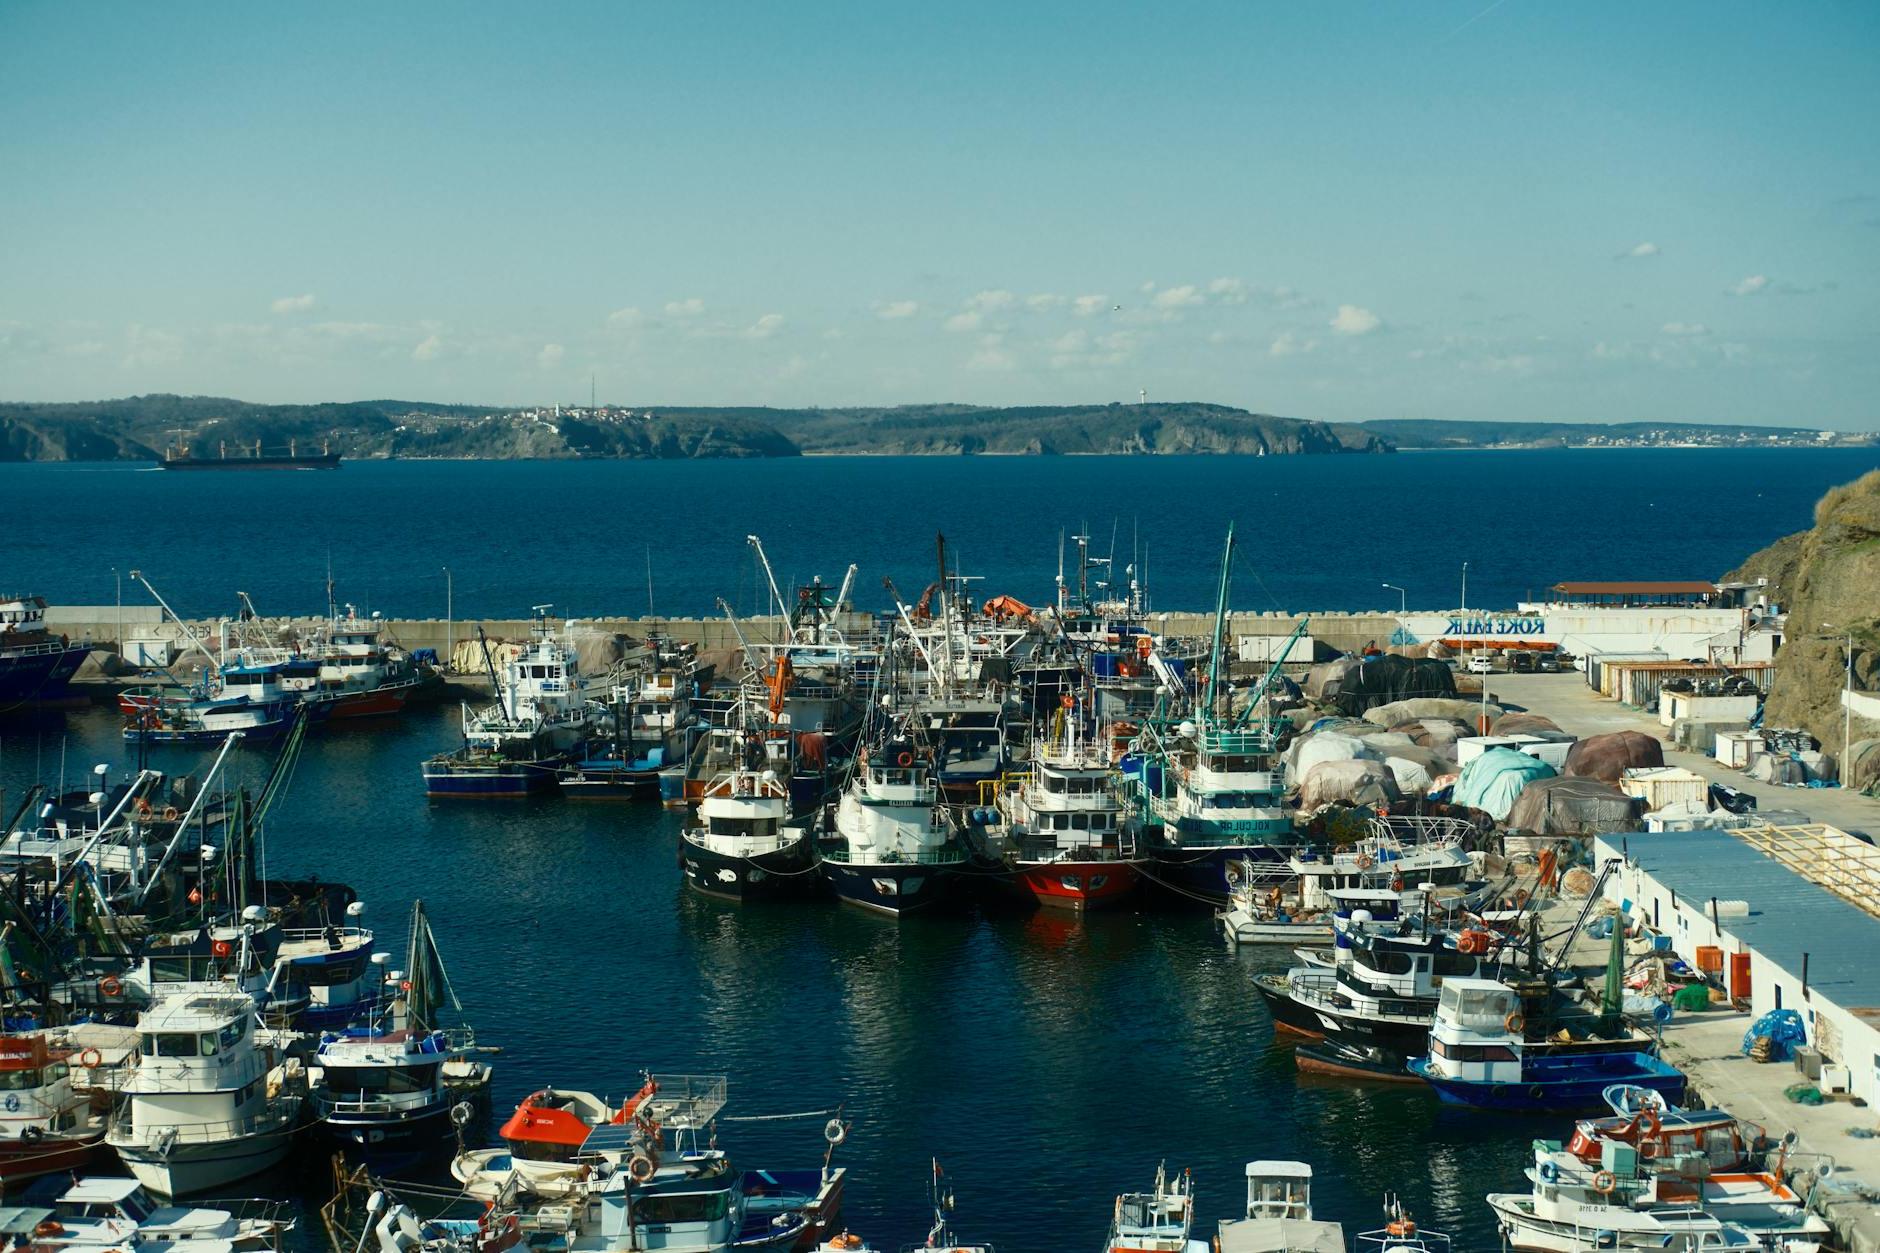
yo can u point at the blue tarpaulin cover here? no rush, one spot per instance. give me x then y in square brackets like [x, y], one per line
[1784, 1029]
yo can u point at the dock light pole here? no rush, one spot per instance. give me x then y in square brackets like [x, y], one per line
[1847, 704]
[119, 578]
[1403, 599]
[1465, 590]
[450, 617]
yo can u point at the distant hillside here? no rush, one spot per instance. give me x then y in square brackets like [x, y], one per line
[141, 427]
[1068, 429]
[1452, 433]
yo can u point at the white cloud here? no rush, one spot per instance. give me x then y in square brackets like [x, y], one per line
[1352, 320]
[428, 349]
[968, 321]
[1043, 302]
[991, 358]
[1229, 291]
[894, 310]
[988, 301]
[625, 318]
[293, 304]
[1639, 250]
[1085, 306]
[550, 356]
[1686, 328]
[1751, 285]
[1178, 297]
[764, 327]
[1290, 345]
[685, 308]
[1071, 341]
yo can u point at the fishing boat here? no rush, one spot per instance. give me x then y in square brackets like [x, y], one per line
[1382, 988]
[540, 721]
[890, 846]
[1156, 1221]
[1659, 1130]
[209, 1102]
[163, 716]
[360, 675]
[45, 1126]
[400, 1087]
[646, 726]
[1279, 1215]
[36, 666]
[1627, 1202]
[741, 845]
[941, 1235]
[326, 973]
[1478, 1056]
[1067, 837]
[1225, 810]
[541, 1142]
[654, 1178]
[103, 1212]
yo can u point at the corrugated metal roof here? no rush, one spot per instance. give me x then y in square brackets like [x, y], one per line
[1689, 588]
[1788, 914]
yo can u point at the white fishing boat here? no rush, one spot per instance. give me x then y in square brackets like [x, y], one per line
[1156, 1221]
[105, 1213]
[210, 1101]
[1279, 1214]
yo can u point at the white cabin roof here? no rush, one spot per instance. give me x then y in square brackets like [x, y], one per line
[194, 1012]
[100, 1191]
[1280, 1170]
[1462, 984]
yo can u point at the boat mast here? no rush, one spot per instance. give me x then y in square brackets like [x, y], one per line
[183, 626]
[783, 610]
[1220, 629]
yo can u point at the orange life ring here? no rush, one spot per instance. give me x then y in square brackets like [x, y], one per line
[1068, 701]
[222, 948]
[1144, 646]
[91, 1059]
[169, 813]
[1604, 1182]
[904, 760]
[111, 986]
[143, 807]
[48, 1228]
[1365, 861]
[1515, 1023]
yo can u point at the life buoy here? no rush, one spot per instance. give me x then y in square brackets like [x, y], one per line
[143, 807]
[1550, 1173]
[1068, 701]
[1365, 861]
[640, 1167]
[169, 813]
[904, 760]
[1514, 1022]
[834, 1132]
[1401, 1227]
[111, 986]
[1604, 1182]
[1648, 1150]
[222, 948]
[90, 1059]
[1648, 1121]
[49, 1228]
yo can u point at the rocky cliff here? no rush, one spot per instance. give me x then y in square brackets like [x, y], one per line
[1828, 580]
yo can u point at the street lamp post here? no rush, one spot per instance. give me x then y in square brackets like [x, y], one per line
[119, 578]
[1403, 599]
[1465, 589]
[450, 618]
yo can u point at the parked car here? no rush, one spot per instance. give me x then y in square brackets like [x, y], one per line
[1481, 663]
[1548, 663]
[1521, 663]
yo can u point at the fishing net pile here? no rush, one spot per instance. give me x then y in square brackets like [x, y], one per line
[1524, 724]
[1366, 683]
[1565, 805]
[1355, 782]
[1464, 712]
[1493, 781]
[1607, 757]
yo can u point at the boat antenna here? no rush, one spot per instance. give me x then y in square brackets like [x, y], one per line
[1220, 627]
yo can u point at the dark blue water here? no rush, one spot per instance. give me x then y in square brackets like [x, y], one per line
[1317, 533]
[1048, 1063]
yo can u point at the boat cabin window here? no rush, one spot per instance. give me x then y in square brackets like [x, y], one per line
[1473, 1052]
[330, 971]
[231, 1035]
[171, 1044]
[1480, 1009]
[1453, 963]
[683, 1207]
[358, 1081]
[744, 826]
[1233, 763]
[894, 777]
[210, 1046]
[1230, 800]
[20, 1080]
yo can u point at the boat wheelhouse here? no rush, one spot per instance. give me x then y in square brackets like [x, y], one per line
[541, 719]
[45, 1127]
[1279, 1214]
[207, 1103]
[397, 1096]
[103, 1212]
[1156, 1221]
[1067, 836]
[327, 972]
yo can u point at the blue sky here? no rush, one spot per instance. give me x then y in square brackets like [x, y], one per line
[1411, 208]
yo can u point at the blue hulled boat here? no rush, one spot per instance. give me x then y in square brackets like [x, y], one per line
[1478, 1058]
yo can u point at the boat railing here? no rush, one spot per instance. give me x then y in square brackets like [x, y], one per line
[919, 857]
[279, 1115]
[379, 1103]
[685, 1102]
[1419, 830]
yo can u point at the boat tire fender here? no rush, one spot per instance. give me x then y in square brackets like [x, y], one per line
[1537, 1092]
[1550, 1173]
[462, 1112]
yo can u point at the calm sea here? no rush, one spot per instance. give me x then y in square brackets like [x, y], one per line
[1048, 1063]
[1316, 533]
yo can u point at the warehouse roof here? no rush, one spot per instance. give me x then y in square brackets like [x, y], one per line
[1788, 915]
